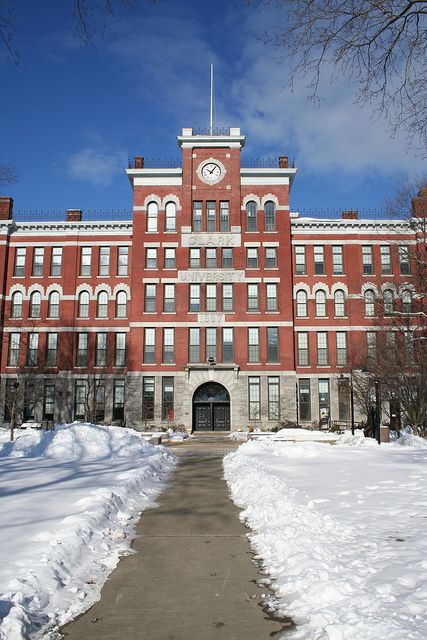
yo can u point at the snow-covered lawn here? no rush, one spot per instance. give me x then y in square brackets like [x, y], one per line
[342, 531]
[69, 500]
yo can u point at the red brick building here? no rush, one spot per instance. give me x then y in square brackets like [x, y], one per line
[215, 308]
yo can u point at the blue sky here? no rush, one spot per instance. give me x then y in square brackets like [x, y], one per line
[73, 114]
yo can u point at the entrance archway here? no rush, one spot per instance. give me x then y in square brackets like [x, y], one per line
[211, 408]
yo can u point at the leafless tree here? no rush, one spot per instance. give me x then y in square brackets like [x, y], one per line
[379, 45]
[7, 173]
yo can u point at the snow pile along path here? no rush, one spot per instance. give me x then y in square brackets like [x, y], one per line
[341, 533]
[69, 499]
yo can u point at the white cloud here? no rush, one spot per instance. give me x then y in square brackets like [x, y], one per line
[98, 166]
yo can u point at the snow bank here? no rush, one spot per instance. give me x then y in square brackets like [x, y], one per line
[409, 440]
[71, 498]
[340, 532]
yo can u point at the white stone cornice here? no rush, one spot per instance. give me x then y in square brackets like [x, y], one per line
[73, 228]
[319, 225]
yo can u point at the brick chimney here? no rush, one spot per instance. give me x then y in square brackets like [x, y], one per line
[6, 207]
[283, 162]
[350, 214]
[139, 162]
[419, 204]
[74, 215]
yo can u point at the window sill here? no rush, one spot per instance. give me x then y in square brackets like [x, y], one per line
[101, 318]
[106, 276]
[252, 364]
[323, 366]
[33, 277]
[340, 317]
[169, 313]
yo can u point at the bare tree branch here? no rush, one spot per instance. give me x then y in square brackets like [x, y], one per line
[7, 173]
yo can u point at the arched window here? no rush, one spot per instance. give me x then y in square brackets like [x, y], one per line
[102, 305]
[121, 304]
[320, 304]
[369, 303]
[301, 304]
[35, 304]
[388, 301]
[53, 305]
[84, 305]
[16, 306]
[270, 216]
[339, 302]
[251, 216]
[170, 220]
[406, 301]
[152, 216]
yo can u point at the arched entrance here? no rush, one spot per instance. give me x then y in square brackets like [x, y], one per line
[211, 408]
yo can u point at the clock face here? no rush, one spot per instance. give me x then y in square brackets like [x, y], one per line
[211, 172]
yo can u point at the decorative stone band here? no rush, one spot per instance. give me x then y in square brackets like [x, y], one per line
[211, 240]
[211, 276]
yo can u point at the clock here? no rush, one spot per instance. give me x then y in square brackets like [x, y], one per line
[211, 171]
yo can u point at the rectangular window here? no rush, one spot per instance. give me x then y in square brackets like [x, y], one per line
[337, 260]
[19, 268]
[56, 261]
[29, 401]
[32, 350]
[101, 350]
[371, 344]
[303, 359]
[167, 399]
[211, 258]
[341, 348]
[168, 346]
[170, 258]
[272, 303]
[367, 260]
[149, 345]
[147, 398]
[150, 298]
[224, 207]
[273, 398]
[227, 258]
[272, 344]
[197, 216]
[211, 297]
[270, 257]
[151, 258]
[343, 399]
[252, 258]
[48, 401]
[194, 344]
[253, 344]
[253, 297]
[254, 398]
[119, 400]
[322, 349]
[51, 349]
[120, 350]
[194, 297]
[100, 401]
[300, 262]
[324, 408]
[123, 261]
[169, 298]
[211, 216]
[227, 297]
[85, 261]
[104, 261]
[80, 393]
[81, 354]
[13, 354]
[227, 345]
[385, 260]
[210, 343]
[304, 400]
[38, 258]
[404, 261]
[319, 260]
[195, 262]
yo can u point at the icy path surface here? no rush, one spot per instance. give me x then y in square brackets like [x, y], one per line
[68, 501]
[341, 530]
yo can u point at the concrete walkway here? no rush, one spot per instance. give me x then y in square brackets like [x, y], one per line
[192, 577]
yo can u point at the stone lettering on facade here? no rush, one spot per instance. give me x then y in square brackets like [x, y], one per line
[211, 276]
[211, 240]
[214, 319]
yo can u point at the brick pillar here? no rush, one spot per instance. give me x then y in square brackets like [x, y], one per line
[283, 162]
[419, 204]
[139, 162]
[350, 214]
[74, 215]
[6, 207]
